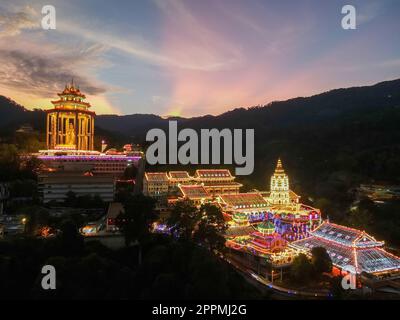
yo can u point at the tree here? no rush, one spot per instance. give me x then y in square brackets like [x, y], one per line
[32, 166]
[211, 228]
[336, 288]
[71, 199]
[360, 218]
[130, 172]
[136, 219]
[301, 270]
[38, 217]
[321, 260]
[97, 201]
[183, 219]
[70, 240]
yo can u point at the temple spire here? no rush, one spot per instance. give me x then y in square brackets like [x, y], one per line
[279, 167]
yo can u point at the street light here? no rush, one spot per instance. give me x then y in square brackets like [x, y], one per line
[272, 274]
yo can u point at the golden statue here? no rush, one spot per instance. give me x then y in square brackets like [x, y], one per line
[70, 137]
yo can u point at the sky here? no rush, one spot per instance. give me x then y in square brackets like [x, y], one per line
[190, 58]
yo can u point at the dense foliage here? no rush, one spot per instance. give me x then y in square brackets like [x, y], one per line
[89, 270]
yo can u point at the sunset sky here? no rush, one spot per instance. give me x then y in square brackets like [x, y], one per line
[189, 57]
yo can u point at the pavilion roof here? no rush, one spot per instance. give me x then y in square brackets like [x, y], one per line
[213, 173]
[370, 260]
[194, 191]
[244, 200]
[179, 175]
[156, 176]
[293, 195]
[222, 183]
[239, 231]
[265, 226]
[70, 102]
[345, 235]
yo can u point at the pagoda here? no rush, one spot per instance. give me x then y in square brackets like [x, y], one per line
[279, 186]
[70, 124]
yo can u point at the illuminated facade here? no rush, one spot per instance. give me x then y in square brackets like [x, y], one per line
[70, 162]
[279, 186]
[351, 250]
[262, 223]
[280, 206]
[276, 226]
[215, 182]
[156, 185]
[196, 193]
[70, 124]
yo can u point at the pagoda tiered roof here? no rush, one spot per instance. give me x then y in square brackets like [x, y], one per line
[292, 195]
[71, 90]
[64, 102]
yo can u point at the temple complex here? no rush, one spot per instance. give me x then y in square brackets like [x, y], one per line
[276, 226]
[272, 226]
[292, 219]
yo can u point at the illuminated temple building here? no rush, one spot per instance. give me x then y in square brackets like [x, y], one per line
[292, 219]
[70, 162]
[274, 225]
[350, 249]
[70, 124]
[168, 187]
[263, 222]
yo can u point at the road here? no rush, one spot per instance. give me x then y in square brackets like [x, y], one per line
[278, 291]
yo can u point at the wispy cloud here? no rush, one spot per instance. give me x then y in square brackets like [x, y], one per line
[13, 23]
[43, 75]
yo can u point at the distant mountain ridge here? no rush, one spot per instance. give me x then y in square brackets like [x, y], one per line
[301, 110]
[321, 107]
